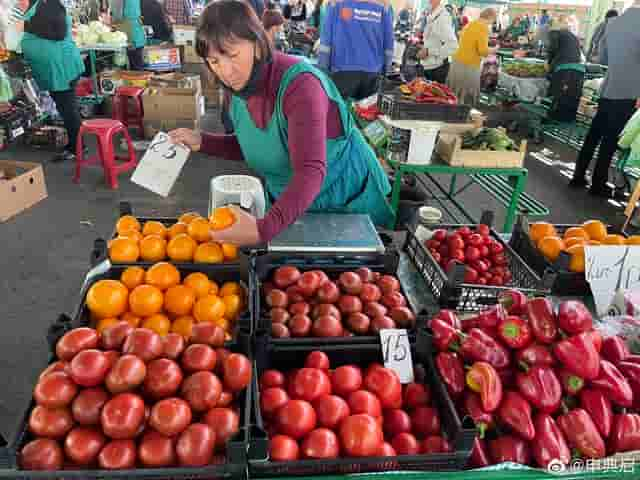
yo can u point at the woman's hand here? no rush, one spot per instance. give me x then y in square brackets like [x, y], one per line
[244, 232]
[189, 138]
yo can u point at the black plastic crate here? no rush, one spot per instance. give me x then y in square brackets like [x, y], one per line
[235, 467]
[453, 293]
[459, 434]
[333, 265]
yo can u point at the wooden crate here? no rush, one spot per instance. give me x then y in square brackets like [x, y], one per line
[449, 148]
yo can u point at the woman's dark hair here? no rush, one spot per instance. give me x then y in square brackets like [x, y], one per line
[611, 13]
[49, 21]
[224, 20]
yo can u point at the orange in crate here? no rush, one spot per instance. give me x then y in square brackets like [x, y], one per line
[209, 309]
[209, 252]
[576, 232]
[107, 298]
[179, 300]
[570, 242]
[153, 248]
[188, 217]
[176, 229]
[181, 248]
[153, 227]
[162, 275]
[126, 223]
[229, 251]
[551, 247]
[159, 323]
[539, 230]
[146, 300]
[613, 239]
[595, 229]
[576, 261]
[199, 229]
[199, 283]
[123, 250]
[132, 277]
[222, 218]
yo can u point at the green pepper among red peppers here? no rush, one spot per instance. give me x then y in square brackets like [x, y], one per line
[582, 434]
[515, 412]
[541, 387]
[482, 378]
[549, 444]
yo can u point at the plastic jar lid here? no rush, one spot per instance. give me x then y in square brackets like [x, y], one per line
[429, 214]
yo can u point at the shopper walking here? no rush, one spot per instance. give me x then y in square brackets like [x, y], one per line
[292, 127]
[593, 55]
[357, 45]
[48, 47]
[179, 12]
[126, 16]
[620, 51]
[440, 42]
[154, 16]
[464, 76]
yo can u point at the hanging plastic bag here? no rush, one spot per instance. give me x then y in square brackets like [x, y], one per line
[6, 92]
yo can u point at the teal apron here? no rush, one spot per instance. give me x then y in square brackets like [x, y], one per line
[354, 183]
[54, 64]
[134, 29]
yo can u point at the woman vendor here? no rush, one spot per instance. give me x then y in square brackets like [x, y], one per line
[126, 16]
[56, 65]
[292, 127]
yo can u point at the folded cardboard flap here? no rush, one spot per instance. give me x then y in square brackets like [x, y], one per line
[23, 186]
[176, 80]
[174, 103]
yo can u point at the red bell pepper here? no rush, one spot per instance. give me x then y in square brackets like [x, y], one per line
[541, 387]
[514, 301]
[477, 346]
[542, 319]
[598, 406]
[633, 358]
[514, 332]
[449, 317]
[515, 412]
[614, 384]
[535, 354]
[625, 433]
[507, 375]
[571, 384]
[473, 407]
[579, 355]
[469, 323]
[451, 370]
[595, 338]
[549, 444]
[509, 448]
[479, 454]
[631, 371]
[582, 434]
[482, 378]
[444, 335]
[615, 349]
[574, 317]
[491, 317]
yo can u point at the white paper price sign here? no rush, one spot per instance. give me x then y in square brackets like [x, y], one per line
[396, 353]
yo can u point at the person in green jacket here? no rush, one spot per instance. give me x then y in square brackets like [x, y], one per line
[56, 65]
[126, 16]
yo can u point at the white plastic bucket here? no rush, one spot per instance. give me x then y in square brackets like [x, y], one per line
[423, 141]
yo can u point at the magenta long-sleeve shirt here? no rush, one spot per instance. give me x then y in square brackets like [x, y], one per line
[311, 119]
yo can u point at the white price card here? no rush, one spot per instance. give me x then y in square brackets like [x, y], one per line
[396, 353]
[160, 166]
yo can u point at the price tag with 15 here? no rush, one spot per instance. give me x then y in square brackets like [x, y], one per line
[396, 353]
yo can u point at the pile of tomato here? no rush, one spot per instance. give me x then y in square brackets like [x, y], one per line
[128, 398]
[311, 304]
[317, 412]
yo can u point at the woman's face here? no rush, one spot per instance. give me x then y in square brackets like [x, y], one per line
[233, 67]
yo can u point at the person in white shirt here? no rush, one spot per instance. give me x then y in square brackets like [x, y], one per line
[440, 42]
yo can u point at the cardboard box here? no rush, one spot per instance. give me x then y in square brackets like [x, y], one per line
[176, 80]
[189, 55]
[162, 58]
[184, 35]
[152, 127]
[449, 148]
[21, 187]
[172, 103]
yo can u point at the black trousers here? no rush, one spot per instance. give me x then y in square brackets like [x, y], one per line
[67, 104]
[566, 90]
[439, 74]
[605, 128]
[136, 58]
[356, 85]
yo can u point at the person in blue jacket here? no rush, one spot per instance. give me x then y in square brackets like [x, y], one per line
[356, 44]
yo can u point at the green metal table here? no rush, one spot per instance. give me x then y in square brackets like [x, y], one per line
[517, 177]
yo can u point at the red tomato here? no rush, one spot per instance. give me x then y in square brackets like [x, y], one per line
[416, 395]
[83, 444]
[86, 407]
[279, 315]
[358, 323]
[294, 295]
[380, 323]
[88, 368]
[387, 451]
[57, 366]
[296, 419]
[403, 317]
[370, 293]
[195, 445]
[375, 309]
[277, 298]
[156, 450]
[349, 304]
[163, 378]
[300, 308]
[51, 423]
[237, 372]
[122, 416]
[143, 343]
[114, 336]
[278, 330]
[346, 379]
[202, 390]
[207, 333]
[173, 345]
[283, 449]
[199, 357]
[300, 326]
[321, 443]
[323, 309]
[365, 402]
[42, 454]
[112, 357]
[350, 283]
[226, 398]
[118, 455]
[321, 275]
[55, 390]
[317, 359]
[271, 399]
[308, 284]
[389, 284]
[224, 422]
[128, 372]
[327, 326]
[361, 436]
[385, 384]
[170, 416]
[365, 274]
[271, 378]
[328, 293]
[286, 276]
[75, 341]
[396, 421]
[394, 300]
[309, 384]
[331, 410]
[405, 444]
[425, 421]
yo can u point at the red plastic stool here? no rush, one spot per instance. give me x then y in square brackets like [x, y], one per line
[105, 130]
[122, 110]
